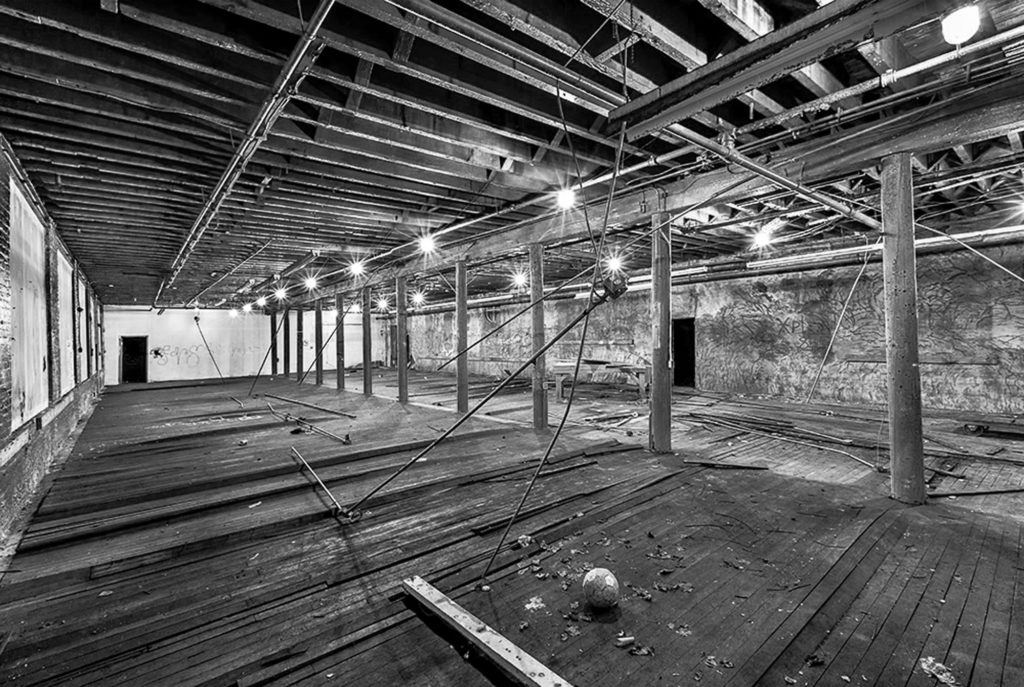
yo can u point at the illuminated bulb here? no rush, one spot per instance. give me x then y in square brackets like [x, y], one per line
[418, 298]
[310, 283]
[261, 302]
[383, 304]
[247, 308]
[565, 198]
[763, 238]
[427, 244]
[356, 268]
[232, 313]
[614, 263]
[519, 279]
[280, 294]
[959, 26]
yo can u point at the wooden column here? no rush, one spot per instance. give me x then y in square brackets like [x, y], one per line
[661, 335]
[88, 336]
[318, 338]
[899, 272]
[461, 336]
[367, 343]
[402, 333]
[287, 340]
[273, 343]
[300, 366]
[540, 368]
[339, 341]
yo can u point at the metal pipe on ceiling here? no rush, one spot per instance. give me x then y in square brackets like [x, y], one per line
[301, 59]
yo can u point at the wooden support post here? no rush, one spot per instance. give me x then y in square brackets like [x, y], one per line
[339, 341]
[661, 334]
[899, 273]
[540, 368]
[367, 343]
[461, 336]
[273, 344]
[287, 340]
[300, 366]
[318, 338]
[88, 337]
[402, 334]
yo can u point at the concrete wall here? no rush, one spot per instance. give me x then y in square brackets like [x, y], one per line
[767, 335]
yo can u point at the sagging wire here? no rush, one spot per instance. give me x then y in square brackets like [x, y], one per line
[267, 354]
[527, 308]
[575, 374]
[205, 343]
[594, 301]
[839, 322]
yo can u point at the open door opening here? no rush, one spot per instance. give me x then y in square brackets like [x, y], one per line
[134, 359]
[684, 352]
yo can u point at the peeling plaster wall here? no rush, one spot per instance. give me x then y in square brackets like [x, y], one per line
[767, 335]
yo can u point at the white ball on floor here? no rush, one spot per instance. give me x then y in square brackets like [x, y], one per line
[600, 588]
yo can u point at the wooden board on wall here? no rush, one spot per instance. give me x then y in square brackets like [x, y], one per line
[65, 284]
[82, 367]
[30, 386]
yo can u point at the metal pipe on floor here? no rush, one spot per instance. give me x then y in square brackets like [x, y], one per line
[337, 506]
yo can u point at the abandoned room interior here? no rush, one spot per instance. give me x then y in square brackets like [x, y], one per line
[512, 342]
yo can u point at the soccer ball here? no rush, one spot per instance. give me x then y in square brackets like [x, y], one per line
[600, 588]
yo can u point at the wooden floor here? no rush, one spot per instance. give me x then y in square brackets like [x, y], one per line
[183, 545]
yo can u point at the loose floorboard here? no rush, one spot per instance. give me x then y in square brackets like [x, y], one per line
[182, 544]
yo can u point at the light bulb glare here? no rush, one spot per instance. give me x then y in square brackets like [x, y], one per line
[763, 238]
[261, 302]
[427, 244]
[280, 294]
[310, 283]
[383, 304]
[232, 313]
[614, 263]
[357, 268]
[418, 298]
[960, 26]
[565, 198]
[519, 279]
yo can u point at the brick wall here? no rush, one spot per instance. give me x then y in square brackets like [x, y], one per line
[27, 453]
[766, 335]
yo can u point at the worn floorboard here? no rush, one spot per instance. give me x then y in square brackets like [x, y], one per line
[183, 545]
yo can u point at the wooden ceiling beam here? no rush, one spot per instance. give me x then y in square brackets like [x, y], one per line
[122, 33]
[832, 29]
[751, 20]
[674, 46]
[822, 160]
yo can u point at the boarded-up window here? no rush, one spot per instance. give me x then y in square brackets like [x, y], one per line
[65, 284]
[29, 383]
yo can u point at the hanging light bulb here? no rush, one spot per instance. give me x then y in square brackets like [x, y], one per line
[565, 198]
[383, 304]
[613, 263]
[418, 298]
[427, 244]
[356, 268]
[763, 238]
[310, 283]
[959, 26]
[519, 279]
[261, 302]
[280, 294]
[247, 308]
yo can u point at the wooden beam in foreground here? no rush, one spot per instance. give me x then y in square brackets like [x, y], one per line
[509, 658]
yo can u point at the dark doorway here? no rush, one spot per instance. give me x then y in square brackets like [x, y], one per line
[133, 359]
[684, 352]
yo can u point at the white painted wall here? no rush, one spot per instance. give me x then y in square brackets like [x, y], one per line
[353, 340]
[176, 350]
